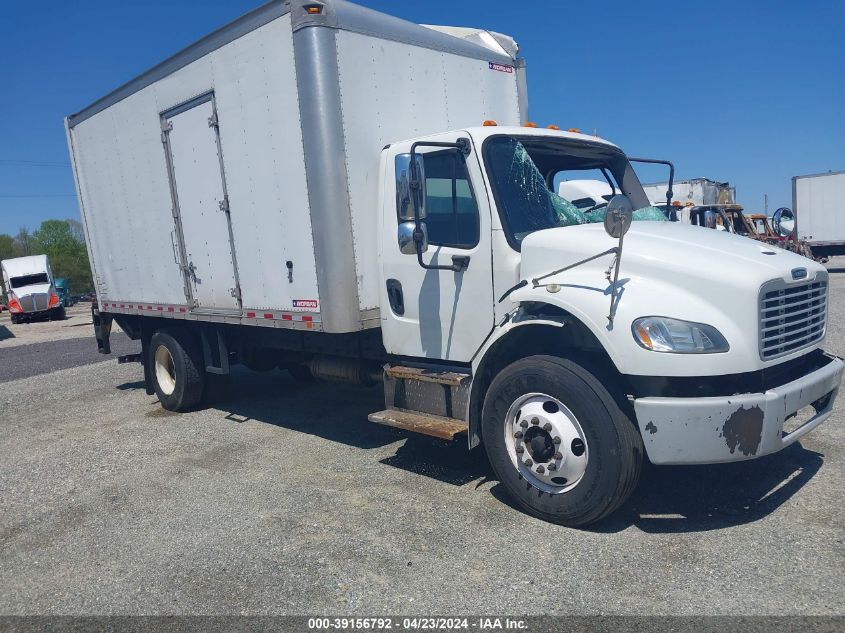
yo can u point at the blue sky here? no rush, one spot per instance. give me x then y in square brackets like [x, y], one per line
[750, 92]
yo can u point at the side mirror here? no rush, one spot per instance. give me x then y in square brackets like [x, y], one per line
[783, 222]
[618, 216]
[410, 188]
[407, 243]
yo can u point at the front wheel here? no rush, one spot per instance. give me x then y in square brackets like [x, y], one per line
[559, 442]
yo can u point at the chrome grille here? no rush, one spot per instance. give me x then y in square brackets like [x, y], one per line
[35, 302]
[792, 316]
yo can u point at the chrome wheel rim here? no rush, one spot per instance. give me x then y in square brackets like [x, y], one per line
[546, 443]
[165, 370]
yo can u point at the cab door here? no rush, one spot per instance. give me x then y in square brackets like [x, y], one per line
[431, 313]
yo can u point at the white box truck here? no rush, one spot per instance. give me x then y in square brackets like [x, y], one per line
[697, 192]
[818, 201]
[311, 188]
[30, 289]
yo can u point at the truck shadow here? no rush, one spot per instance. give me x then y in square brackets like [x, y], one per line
[335, 412]
[674, 499]
[5, 333]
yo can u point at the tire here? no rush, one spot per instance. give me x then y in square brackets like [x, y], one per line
[15, 319]
[553, 392]
[58, 314]
[176, 368]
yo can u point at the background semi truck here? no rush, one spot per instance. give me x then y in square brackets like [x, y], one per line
[312, 188]
[30, 289]
[818, 202]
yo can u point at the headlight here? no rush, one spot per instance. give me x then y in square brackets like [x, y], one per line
[662, 334]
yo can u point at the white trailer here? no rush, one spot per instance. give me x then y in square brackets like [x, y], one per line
[819, 204]
[30, 289]
[697, 192]
[311, 188]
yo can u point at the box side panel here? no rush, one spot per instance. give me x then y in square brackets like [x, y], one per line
[391, 91]
[261, 140]
[124, 189]
[820, 208]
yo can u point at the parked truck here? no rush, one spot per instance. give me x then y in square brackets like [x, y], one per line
[818, 213]
[30, 289]
[326, 189]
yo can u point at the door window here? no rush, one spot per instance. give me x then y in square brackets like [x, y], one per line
[452, 212]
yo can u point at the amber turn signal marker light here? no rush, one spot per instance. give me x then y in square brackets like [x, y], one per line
[553, 127]
[314, 9]
[529, 124]
[489, 123]
[574, 129]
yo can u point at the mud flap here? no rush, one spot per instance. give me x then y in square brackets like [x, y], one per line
[102, 329]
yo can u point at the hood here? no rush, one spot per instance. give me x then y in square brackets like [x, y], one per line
[32, 289]
[687, 252]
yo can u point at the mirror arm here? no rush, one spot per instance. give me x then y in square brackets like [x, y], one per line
[655, 161]
[464, 147]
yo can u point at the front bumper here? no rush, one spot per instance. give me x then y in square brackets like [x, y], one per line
[734, 428]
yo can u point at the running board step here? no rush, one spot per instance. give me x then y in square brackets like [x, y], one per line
[401, 372]
[423, 423]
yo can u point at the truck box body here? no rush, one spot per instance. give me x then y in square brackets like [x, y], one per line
[698, 191]
[235, 182]
[819, 204]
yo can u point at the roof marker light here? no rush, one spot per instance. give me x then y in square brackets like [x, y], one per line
[530, 124]
[489, 123]
[574, 129]
[553, 127]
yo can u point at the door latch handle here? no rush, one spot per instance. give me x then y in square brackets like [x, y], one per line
[460, 263]
[395, 296]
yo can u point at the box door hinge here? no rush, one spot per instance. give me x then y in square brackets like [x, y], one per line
[166, 126]
[213, 121]
[236, 293]
[224, 205]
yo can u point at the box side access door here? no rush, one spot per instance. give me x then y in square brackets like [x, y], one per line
[203, 229]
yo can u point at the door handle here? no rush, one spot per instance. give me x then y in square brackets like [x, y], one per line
[395, 296]
[460, 263]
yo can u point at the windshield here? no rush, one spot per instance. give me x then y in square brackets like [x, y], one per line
[526, 197]
[29, 280]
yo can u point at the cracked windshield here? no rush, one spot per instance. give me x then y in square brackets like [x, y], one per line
[585, 177]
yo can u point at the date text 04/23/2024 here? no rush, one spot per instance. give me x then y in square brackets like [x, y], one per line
[416, 623]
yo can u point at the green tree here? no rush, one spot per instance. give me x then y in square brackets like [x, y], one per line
[59, 240]
[7, 247]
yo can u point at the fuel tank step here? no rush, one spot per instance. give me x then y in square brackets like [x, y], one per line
[401, 372]
[423, 423]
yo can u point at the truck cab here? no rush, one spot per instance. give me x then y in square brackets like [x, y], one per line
[30, 289]
[489, 272]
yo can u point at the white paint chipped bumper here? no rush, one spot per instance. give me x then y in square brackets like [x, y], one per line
[735, 428]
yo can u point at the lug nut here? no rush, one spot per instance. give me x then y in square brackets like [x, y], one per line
[535, 421]
[520, 450]
[547, 427]
[518, 435]
[524, 424]
[552, 467]
[541, 470]
[529, 462]
[556, 440]
[558, 456]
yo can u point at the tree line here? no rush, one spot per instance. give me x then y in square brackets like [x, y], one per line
[63, 241]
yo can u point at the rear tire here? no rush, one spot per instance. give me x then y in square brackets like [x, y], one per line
[175, 363]
[564, 417]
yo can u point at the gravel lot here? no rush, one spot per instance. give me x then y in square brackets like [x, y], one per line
[286, 500]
